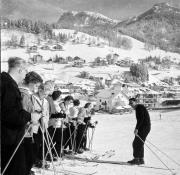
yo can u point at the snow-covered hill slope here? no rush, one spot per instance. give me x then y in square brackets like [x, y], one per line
[83, 50]
[65, 72]
[30, 38]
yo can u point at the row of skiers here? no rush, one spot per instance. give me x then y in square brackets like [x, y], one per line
[62, 119]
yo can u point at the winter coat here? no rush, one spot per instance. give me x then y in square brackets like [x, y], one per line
[143, 118]
[56, 118]
[45, 113]
[81, 115]
[13, 117]
[41, 108]
[52, 109]
[27, 103]
[74, 112]
[84, 116]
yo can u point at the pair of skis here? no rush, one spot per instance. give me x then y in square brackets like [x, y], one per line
[110, 162]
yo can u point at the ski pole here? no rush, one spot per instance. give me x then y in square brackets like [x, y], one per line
[62, 139]
[71, 135]
[93, 133]
[156, 155]
[52, 143]
[92, 138]
[74, 139]
[89, 139]
[82, 136]
[48, 147]
[15, 150]
[163, 153]
[69, 138]
[42, 130]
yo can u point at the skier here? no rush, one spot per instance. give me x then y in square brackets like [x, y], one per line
[142, 129]
[13, 118]
[30, 86]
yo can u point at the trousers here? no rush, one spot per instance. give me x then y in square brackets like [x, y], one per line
[138, 145]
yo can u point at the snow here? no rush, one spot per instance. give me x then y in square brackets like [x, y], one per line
[86, 52]
[69, 74]
[98, 15]
[29, 37]
[114, 133]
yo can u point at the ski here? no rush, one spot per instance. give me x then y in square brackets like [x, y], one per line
[107, 154]
[69, 172]
[112, 162]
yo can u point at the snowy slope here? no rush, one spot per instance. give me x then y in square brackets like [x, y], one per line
[30, 38]
[114, 133]
[89, 54]
[86, 52]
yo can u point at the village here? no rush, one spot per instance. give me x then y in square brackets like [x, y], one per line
[109, 92]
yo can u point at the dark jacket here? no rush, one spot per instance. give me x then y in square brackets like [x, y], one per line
[13, 116]
[143, 118]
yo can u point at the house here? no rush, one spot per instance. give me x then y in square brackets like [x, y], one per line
[69, 59]
[126, 62]
[109, 99]
[60, 60]
[78, 63]
[76, 58]
[45, 47]
[32, 49]
[112, 58]
[57, 47]
[144, 95]
[148, 97]
[100, 62]
[37, 58]
[64, 93]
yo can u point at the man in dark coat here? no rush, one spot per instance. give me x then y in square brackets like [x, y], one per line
[13, 118]
[141, 131]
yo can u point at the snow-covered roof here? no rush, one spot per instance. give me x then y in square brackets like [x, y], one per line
[119, 107]
[107, 93]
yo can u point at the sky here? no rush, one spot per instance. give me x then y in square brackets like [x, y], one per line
[50, 10]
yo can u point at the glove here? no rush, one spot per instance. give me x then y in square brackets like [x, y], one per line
[136, 132]
[91, 125]
[75, 119]
[35, 117]
[58, 115]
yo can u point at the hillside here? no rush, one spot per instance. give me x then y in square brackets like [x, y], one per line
[84, 19]
[88, 22]
[84, 51]
[159, 25]
[6, 35]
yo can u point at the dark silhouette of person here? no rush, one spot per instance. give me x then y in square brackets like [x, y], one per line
[142, 129]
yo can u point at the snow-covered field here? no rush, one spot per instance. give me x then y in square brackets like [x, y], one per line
[114, 134]
[68, 73]
[82, 50]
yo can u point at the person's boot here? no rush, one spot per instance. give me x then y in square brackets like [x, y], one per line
[80, 151]
[48, 158]
[86, 149]
[141, 161]
[134, 161]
